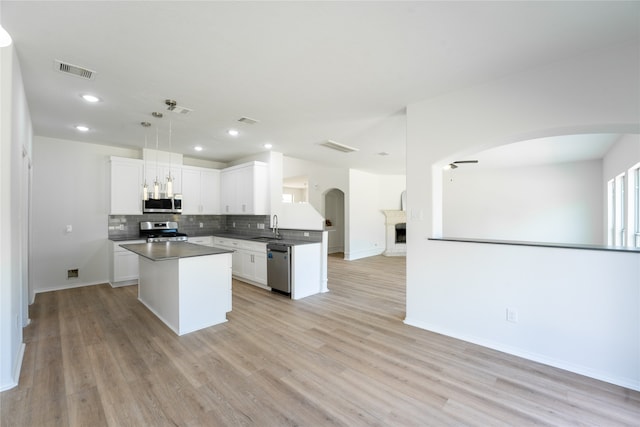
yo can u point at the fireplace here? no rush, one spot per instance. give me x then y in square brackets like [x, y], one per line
[401, 232]
[396, 233]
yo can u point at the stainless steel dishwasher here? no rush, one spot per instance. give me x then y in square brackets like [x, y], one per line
[279, 267]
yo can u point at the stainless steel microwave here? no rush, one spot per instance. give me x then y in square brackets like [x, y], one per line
[172, 205]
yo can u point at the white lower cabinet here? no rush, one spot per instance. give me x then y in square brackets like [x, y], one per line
[249, 261]
[202, 240]
[124, 264]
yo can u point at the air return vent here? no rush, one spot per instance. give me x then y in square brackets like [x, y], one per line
[247, 120]
[337, 146]
[74, 70]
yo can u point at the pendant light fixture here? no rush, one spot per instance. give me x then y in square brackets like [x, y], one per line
[156, 184]
[169, 177]
[145, 187]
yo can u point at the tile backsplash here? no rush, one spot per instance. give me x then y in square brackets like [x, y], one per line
[128, 226]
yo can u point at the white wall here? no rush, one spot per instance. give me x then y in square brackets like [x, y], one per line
[70, 188]
[321, 178]
[560, 202]
[15, 153]
[567, 299]
[623, 155]
[370, 194]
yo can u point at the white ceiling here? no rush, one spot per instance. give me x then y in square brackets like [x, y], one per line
[308, 71]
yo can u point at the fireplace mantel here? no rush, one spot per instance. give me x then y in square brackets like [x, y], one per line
[391, 219]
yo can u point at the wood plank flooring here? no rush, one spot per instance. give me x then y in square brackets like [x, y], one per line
[96, 357]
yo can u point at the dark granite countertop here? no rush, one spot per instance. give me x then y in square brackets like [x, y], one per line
[264, 239]
[124, 239]
[541, 244]
[172, 250]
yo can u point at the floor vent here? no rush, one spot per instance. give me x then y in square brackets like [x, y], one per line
[74, 70]
[337, 146]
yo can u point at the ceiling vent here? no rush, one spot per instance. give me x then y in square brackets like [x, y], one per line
[74, 70]
[247, 120]
[174, 108]
[180, 110]
[337, 146]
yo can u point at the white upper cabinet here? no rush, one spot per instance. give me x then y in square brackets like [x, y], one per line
[244, 189]
[200, 191]
[125, 178]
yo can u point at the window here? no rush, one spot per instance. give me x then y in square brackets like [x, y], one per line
[616, 211]
[620, 214]
[287, 198]
[635, 173]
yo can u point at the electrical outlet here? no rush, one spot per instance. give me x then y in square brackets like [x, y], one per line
[512, 315]
[305, 234]
[72, 274]
[234, 225]
[201, 225]
[260, 226]
[248, 225]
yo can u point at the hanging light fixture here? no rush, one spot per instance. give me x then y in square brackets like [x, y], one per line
[156, 184]
[169, 177]
[145, 187]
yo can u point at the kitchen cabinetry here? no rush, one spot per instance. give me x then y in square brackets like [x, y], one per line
[200, 191]
[202, 240]
[244, 189]
[125, 179]
[249, 260]
[123, 264]
[162, 171]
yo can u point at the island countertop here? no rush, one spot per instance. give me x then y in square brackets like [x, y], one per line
[172, 250]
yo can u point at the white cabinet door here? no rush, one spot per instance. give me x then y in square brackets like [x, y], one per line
[125, 266]
[260, 267]
[190, 191]
[200, 191]
[228, 192]
[210, 191]
[245, 189]
[126, 186]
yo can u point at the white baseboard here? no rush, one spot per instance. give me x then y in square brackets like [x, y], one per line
[16, 370]
[351, 256]
[75, 285]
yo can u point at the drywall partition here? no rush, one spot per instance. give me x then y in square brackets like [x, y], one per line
[15, 152]
[77, 197]
[565, 298]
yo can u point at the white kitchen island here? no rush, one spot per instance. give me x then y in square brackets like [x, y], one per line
[187, 286]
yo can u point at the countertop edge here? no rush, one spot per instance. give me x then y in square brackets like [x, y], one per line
[605, 248]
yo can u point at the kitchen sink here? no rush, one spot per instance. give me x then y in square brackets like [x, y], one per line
[261, 239]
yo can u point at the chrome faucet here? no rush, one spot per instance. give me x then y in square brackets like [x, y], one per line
[276, 233]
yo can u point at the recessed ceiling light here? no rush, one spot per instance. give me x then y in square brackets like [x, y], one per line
[82, 128]
[90, 98]
[268, 146]
[197, 148]
[233, 132]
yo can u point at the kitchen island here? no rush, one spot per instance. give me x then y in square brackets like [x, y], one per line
[187, 286]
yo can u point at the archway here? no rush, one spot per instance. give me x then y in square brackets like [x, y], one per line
[334, 220]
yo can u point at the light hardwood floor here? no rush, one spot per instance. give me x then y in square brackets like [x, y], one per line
[95, 356]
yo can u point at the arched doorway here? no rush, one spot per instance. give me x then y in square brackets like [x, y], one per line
[334, 217]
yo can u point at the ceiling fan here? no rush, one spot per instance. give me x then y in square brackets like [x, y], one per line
[454, 165]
